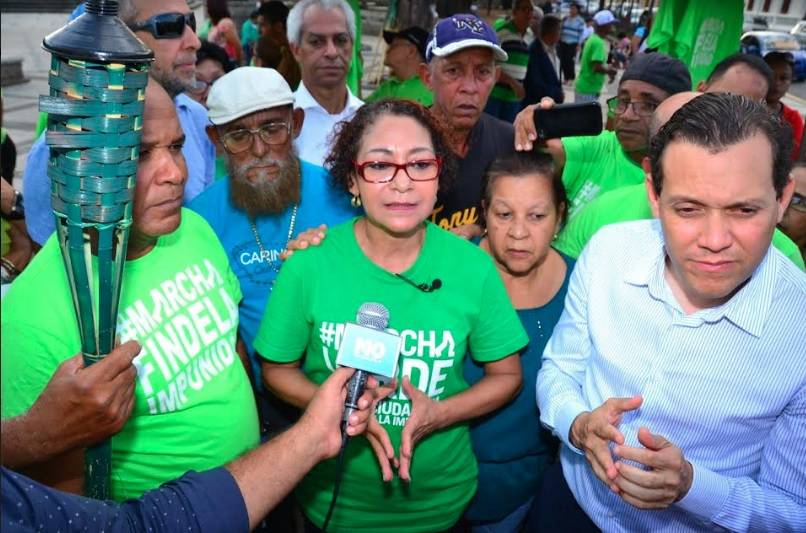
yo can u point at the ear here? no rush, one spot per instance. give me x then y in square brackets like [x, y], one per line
[786, 197]
[425, 75]
[654, 199]
[212, 133]
[702, 86]
[558, 225]
[497, 73]
[297, 117]
[295, 51]
[352, 185]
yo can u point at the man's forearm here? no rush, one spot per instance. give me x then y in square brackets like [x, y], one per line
[742, 504]
[23, 444]
[265, 475]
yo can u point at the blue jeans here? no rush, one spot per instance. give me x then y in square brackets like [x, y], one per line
[512, 523]
[584, 97]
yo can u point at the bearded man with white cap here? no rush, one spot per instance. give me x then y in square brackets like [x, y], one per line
[269, 195]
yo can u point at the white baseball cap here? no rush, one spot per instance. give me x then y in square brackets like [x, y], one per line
[244, 91]
[603, 17]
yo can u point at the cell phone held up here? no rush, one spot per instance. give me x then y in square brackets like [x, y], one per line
[568, 120]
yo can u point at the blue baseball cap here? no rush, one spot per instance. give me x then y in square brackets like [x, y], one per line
[458, 32]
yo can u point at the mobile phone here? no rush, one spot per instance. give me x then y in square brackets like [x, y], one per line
[568, 120]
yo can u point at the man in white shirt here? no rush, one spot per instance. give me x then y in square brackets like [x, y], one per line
[322, 34]
[675, 377]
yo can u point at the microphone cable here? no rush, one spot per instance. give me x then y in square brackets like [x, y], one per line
[339, 472]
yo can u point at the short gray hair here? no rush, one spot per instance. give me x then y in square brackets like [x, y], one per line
[297, 13]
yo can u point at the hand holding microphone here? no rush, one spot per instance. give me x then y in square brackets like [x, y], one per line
[368, 348]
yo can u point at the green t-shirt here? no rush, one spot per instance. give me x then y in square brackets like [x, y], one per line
[589, 81]
[631, 203]
[594, 165]
[194, 407]
[318, 291]
[410, 89]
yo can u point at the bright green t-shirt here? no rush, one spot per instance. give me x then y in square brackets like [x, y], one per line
[631, 203]
[410, 89]
[589, 81]
[594, 165]
[194, 407]
[318, 291]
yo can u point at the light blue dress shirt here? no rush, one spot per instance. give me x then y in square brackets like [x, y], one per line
[726, 385]
[199, 155]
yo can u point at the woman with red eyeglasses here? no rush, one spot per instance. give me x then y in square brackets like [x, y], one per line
[415, 469]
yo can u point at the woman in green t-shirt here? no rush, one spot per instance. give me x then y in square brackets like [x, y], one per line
[392, 158]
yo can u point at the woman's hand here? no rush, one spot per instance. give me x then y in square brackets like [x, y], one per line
[376, 435]
[382, 446]
[426, 417]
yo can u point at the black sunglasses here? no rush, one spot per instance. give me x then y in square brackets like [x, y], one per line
[166, 25]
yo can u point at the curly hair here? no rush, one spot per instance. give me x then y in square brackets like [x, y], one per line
[349, 135]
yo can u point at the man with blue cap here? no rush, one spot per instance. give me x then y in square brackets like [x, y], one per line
[461, 70]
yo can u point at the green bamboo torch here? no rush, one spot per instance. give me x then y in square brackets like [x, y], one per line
[98, 74]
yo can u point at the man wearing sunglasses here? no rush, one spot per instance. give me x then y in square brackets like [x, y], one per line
[270, 195]
[612, 159]
[168, 28]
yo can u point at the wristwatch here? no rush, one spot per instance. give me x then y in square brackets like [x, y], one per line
[17, 210]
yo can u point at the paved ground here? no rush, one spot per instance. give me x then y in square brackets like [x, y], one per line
[21, 36]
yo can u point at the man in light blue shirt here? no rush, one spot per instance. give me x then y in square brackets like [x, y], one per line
[174, 47]
[676, 377]
[270, 195]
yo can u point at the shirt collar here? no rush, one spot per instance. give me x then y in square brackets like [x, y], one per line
[305, 100]
[747, 309]
[181, 100]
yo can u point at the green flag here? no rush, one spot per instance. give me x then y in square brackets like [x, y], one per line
[356, 71]
[700, 34]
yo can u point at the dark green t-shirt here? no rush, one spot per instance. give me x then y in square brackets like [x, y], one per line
[318, 291]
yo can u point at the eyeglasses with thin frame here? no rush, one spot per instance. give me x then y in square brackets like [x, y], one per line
[166, 25]
[641, 108]
[385, 171]
[271, 133]
[798, 202]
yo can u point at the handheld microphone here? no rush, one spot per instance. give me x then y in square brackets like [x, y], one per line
[425, 287]
[368, 348]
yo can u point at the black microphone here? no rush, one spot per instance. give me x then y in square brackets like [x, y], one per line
[371, 315]
[425, 287]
